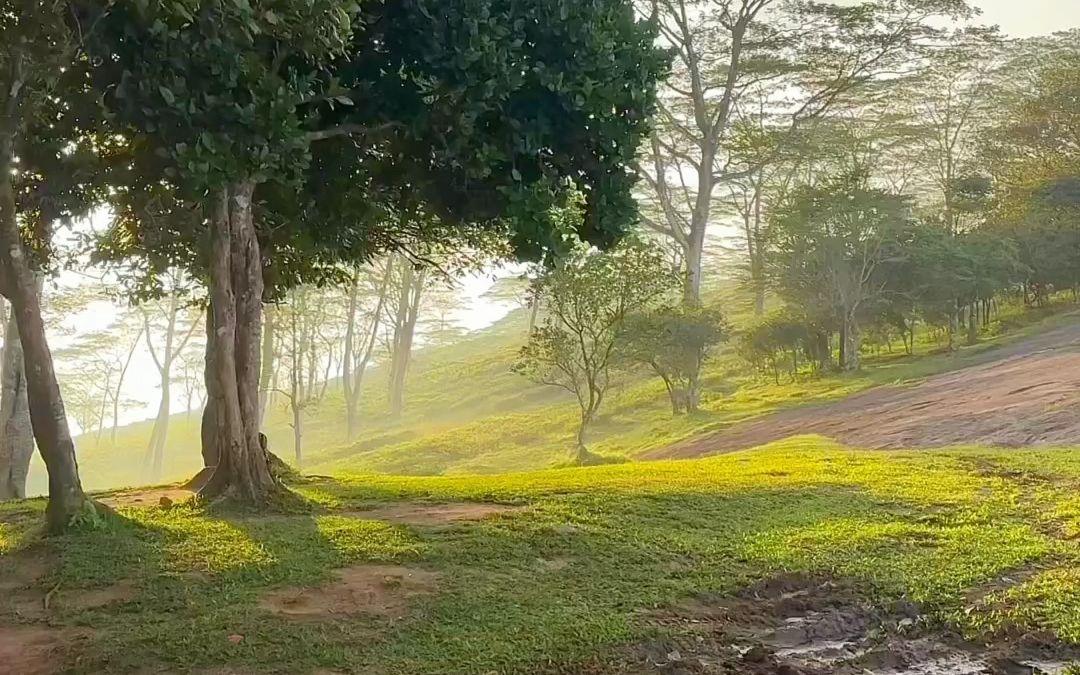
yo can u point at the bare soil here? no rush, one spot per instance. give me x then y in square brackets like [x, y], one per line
[432, 514]
[1019, 395]
[36, 649]
[381, 590]
[792, 625]
[166, 496]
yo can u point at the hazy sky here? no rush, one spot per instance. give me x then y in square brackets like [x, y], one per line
[1024, 18]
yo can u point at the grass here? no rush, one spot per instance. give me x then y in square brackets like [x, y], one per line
[940, 528]
[467, 413]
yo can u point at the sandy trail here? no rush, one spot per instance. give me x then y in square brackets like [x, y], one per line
[1022, 394]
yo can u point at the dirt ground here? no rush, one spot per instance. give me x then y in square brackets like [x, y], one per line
[383, 590]
[1013, 396]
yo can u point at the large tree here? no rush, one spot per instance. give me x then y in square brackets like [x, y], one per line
[803, 57]
[244, 115]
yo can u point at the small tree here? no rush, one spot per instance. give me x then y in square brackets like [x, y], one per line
[587, 299]
[674, 342]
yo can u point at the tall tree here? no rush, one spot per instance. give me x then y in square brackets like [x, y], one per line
[807, 56]
[166, 337]
[408, 293]
[360, 341]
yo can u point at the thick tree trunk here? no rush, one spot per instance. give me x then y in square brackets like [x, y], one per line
[47, 415]
[236, 285]
[16, 434]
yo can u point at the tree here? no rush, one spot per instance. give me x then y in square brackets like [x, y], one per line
[587, 298]
[801, 58]
[235, 104]
[408, 292]
[831, 243]
[674, 342]
[166, 337]
[39, 85]
[360, 341]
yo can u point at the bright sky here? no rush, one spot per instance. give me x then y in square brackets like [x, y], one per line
[1025, 18]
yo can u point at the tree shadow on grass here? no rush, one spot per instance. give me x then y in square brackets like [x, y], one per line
[556, 581]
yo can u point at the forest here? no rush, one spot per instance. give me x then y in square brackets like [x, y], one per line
[540, 337]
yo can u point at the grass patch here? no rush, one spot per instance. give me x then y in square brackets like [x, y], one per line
[567, 575]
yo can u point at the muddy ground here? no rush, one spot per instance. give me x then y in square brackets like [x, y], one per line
[793, 625]
[1018, 395]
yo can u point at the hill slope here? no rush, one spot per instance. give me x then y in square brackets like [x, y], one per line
[467, 413]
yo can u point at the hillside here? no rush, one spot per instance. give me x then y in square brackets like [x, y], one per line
[467, 413]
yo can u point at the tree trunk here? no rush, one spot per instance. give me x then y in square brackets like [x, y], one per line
[47, 415]
[208, 425]
[243, 471]
[266, 376]
[973, 323]
[849, 343]
[412, 285]
[16, 434]
[161, 427]
[695, 250]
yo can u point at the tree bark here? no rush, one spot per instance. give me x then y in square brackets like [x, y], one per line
[16, 434]
[243, 471]
[208, 426]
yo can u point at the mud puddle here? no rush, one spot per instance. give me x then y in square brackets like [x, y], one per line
[800, 626]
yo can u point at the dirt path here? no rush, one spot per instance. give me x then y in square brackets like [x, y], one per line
[1025, 393]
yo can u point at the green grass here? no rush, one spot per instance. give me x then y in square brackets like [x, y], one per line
[467, 413]
[940, 528]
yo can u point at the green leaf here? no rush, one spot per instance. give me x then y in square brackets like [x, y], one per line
[516, 175]
[167, 94]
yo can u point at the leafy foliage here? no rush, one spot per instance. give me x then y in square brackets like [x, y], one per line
[674, 341]
[587, 298]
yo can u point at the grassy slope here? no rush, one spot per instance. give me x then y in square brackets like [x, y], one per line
[935, 527]
[467, 413]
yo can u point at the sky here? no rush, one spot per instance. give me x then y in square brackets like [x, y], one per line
[1025, 18]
